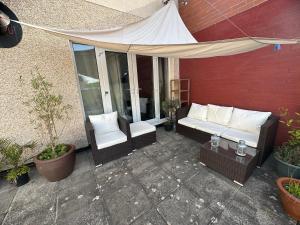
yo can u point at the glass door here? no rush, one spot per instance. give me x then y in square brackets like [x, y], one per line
[88, 79]
[119, 84]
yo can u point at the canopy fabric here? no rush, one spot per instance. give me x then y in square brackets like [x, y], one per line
[163, 35]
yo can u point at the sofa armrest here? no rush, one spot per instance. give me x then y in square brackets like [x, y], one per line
[182, 112]
[124, 127]
[90, 134]
[267, 137]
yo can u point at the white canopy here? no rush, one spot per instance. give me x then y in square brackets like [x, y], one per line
[164, 35]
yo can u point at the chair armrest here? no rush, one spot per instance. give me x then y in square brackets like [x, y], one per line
[182, 112]
[124, 127]
[267, 137]
[90, 134]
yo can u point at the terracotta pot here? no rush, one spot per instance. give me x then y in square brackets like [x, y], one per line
[290, 203]
[59, 168]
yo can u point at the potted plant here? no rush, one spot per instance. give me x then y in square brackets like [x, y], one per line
[169, 107]
[12, 155]
[57, 160]
[289, 189]
[287, 155]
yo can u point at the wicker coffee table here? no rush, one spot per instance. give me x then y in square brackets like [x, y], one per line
[224, 160]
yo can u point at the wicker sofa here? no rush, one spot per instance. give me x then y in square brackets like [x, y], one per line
[201, 128]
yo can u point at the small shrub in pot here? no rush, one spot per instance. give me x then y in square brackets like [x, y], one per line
[288, 154]
[12, 156]
[57, 160]
[169, 107]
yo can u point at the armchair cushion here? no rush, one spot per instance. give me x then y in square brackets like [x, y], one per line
[105, 123]
[140, 128]
[248, 120]
[198, 112]
[235, 135]
[109, 139]
[219, 114]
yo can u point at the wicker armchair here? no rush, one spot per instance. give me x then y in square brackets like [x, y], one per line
[111, 151]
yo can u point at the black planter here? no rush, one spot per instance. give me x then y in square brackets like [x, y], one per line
[168, 126]
[23, 179]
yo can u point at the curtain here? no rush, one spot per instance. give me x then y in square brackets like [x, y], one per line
[116, 89]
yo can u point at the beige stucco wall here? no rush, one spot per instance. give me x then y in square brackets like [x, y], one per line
[53, 58]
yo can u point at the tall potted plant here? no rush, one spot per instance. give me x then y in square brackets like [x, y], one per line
[12, 155]
[287, 155]
[169, 107]
[57, 160]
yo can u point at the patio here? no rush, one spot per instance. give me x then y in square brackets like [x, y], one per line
[160, 184]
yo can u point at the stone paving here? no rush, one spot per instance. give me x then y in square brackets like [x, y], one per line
[161, 184]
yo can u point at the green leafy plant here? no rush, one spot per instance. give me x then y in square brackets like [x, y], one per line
[12, 155]
[290, 151]
[48, 109]
[169, 107]
[293, 188]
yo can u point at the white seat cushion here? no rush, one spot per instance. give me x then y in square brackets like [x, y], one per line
[235, 135]
[140, 128]
[211, 128]
[110, 139]
[219, 114]
[105, 123]
[198, 111]
[248, 120]
[189, 122]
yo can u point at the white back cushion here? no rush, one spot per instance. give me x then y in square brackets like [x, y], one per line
[219, 114]
[198, 112]
[248, 120]
[105, 123]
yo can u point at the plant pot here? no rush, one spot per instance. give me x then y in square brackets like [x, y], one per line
[59, 168]
[23, 179]
[285, 169]
[290, 203]
[168, 126]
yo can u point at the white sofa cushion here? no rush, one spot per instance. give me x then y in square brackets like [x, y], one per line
[212, 128]
[198, 111]
[235, 135]
[110, 139]
[140, 128]
[189, 122]
[248, 120]
[219, 114]
[105, 123]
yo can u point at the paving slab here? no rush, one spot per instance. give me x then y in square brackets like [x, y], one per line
[159, 152]
[150, 218]
[6, 197]
[214, 190]
[182, 166]
[158, 184]
[81, 204]
[127, 204]
[83, 163]
[138, 163]
[244, 210]
[184, 208]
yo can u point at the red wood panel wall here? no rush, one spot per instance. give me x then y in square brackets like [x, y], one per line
[261, 80]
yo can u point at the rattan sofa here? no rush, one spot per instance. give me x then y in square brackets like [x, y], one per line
[113, 152]
[265, 141]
